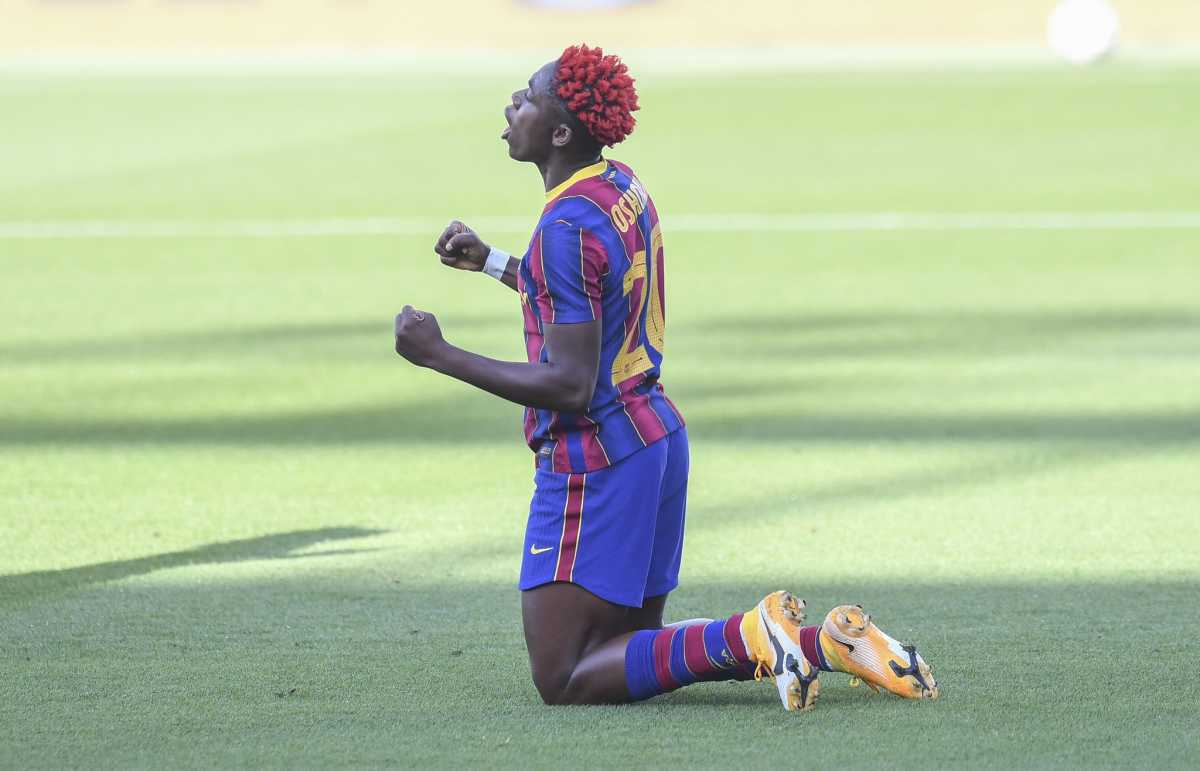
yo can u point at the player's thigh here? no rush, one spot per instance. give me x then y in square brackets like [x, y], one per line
[667, 552]
[563, 622]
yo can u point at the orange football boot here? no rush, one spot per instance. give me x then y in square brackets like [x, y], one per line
[772, 635]
[851, 643]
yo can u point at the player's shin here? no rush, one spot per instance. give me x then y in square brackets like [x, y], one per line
[761, 643]
[662, 660]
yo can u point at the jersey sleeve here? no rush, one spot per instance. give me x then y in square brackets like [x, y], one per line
[571, 264]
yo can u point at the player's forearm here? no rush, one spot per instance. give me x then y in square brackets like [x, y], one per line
[509, 279]
[544, 385]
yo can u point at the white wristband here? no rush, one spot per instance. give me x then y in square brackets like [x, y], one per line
[497, 264]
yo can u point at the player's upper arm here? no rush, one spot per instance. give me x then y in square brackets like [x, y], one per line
[569, 265]
[574, 350]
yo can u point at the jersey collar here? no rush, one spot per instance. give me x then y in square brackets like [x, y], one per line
[594, 170]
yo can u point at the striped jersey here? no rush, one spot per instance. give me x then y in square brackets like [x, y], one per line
[597, 254]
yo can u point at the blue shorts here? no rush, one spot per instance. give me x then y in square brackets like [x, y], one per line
[617, 532]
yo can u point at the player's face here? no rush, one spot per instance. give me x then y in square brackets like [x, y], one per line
[531, 119]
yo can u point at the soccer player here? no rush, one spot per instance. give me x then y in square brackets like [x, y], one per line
[605, 531]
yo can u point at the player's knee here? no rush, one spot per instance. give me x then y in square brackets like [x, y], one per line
[553, 697]
[552, 683]
[562, 687]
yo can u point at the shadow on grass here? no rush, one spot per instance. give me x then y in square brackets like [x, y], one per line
[30, 587]
[944, 333]
[884, 333]
[450, 421]
[867, 337]
[1165, 426]
[254, 340]
[372, 667]
[428, 421]
[966, 627]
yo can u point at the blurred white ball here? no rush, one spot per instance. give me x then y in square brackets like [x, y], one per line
[1082, 31]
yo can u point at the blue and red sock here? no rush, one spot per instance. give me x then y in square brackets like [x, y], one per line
[661, 660]
[810, 643]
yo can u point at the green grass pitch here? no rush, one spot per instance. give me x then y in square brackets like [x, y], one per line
[237, 531]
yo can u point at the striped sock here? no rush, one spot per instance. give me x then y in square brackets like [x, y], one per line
[661, 660]
[810, 643]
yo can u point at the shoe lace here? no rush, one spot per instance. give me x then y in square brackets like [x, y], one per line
[759, 668]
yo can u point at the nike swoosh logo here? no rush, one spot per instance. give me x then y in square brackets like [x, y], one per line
[535, 550]
[849, 647]
[778, 668]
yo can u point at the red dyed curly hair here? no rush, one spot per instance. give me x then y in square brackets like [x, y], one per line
[598, 91]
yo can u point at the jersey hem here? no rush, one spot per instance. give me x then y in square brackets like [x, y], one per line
[612, 460]
[615, 596]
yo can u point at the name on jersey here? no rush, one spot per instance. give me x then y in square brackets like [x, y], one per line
[629, 206]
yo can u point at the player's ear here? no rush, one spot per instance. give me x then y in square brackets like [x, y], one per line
[562, 135]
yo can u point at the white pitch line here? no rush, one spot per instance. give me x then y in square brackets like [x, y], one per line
[659, 61]
[899, 221]
[683, 223]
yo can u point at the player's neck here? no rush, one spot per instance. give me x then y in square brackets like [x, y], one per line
[558, 170]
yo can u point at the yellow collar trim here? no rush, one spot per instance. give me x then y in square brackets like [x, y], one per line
[594, 170]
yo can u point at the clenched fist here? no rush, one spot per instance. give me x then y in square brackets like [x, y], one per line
[418, 336]
[460, 247]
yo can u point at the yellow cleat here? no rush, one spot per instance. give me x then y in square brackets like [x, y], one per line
[852, 644]
[772, 635]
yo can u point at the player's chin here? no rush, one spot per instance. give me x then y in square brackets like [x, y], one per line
[515, 150]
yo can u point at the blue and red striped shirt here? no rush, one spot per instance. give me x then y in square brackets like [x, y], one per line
[597, 255]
